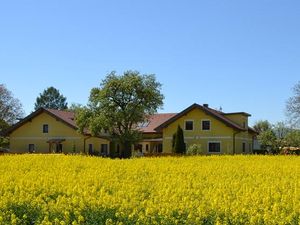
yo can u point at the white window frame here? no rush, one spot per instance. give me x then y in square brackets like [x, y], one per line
[209, 124]
[189, 121]
[212, 142]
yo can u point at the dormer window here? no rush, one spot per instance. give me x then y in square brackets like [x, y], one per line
[45, 128]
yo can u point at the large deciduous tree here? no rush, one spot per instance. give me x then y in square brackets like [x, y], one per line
[51, 99]
[10, 111]
[293, 106]
[10, 107]
[119, 105]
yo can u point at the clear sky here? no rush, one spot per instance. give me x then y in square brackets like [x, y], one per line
[240, 55]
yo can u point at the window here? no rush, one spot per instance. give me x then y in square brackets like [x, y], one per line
[244, 124]
[45, 128]
[205, 125]
[104, 149]
[250, 147]
[244, 147]
[189, 125]
[147, 147]
[214, 147]
[31, 148]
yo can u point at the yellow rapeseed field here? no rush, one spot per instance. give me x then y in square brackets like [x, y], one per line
[59, 189]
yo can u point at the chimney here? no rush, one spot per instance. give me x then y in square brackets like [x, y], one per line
[205, 105]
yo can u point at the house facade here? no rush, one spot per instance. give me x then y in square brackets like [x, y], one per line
[53, 131]
[216, 132]
[213, 131]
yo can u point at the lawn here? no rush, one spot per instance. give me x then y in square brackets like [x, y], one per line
[59, 189]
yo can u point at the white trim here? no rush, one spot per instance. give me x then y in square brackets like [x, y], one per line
[209, 124]
[243, 139]
[215, 137]
[184, 125]
[44, 138]
[203, 137]
[214, 142]
[189, 138]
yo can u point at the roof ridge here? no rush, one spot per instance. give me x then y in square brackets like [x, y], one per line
[213, 112]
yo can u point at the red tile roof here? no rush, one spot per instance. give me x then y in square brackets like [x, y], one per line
[217, 114]
[154, 124]
[154, 121]
[65, 116]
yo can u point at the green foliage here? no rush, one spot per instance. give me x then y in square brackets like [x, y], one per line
[10, 108]
[292, 139]
[271, 137]
[178, 140]
[268, 141]
[51, 99]
[4, 142]
[262, 125]
[74, 107]
[119, 104]
[195, 149]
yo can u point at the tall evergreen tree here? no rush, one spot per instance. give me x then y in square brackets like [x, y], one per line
[51, 99]
[179, 145]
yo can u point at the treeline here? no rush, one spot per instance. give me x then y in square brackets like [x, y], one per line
[279, 138]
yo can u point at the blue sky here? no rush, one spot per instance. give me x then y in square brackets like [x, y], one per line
[240, 55]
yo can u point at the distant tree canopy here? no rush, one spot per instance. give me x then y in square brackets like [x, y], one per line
[10, 108]
[119, 105]
[274, 137]
[262, 125]
[52, 99]
[293, 106]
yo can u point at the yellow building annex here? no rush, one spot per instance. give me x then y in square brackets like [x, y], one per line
[216, 132]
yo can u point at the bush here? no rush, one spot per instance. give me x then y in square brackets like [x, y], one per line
[194, 149]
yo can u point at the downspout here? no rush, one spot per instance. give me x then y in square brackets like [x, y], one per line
[233, 141]
[84, 142]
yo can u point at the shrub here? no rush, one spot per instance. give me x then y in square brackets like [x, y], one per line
[194, 149]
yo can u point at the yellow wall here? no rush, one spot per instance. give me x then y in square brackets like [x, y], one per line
[32, 133]
[96, 143]
[239, 119]
[219, 132]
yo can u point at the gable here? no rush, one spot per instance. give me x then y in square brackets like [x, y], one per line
[213, 113]
[33, 127]
[197, 116]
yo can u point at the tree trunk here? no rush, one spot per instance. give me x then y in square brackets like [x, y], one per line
[126, 151]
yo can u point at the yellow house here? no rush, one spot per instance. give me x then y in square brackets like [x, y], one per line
[54, 131]
[214, 131]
